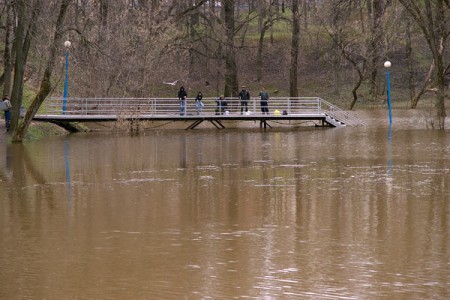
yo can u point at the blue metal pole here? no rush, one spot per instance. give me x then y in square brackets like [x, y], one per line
[66, 83]
[388, 80]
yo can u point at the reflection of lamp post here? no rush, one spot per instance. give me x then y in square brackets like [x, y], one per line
[67, 45]
[387, 65]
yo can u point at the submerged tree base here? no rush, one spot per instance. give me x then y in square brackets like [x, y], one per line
[71, 127]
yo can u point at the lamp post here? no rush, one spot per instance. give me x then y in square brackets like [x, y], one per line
[387, 65]
[67, 45]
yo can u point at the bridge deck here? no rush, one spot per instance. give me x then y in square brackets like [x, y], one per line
[175, 117]
[194, 120]
[60, 110]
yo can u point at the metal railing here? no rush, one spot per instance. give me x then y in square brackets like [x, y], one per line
[211, 106]
[339, 114]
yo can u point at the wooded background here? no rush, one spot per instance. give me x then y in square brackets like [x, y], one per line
[334, 49]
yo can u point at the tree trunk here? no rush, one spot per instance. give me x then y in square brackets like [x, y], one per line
[293, 78]
[442, 14]
[103, 20]
[259, 61]
[375, 45]
[425, 86]
[355, 89]
[22, 46]
[45, 87]
[409, 61]
[336, 53]
[440, 94]
[261, 14]
[7, 58]
[231, 86]
[19, 66]
[192, 20]
[31, 31]
[305, 14]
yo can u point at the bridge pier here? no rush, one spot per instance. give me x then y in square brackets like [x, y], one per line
[216, 124]
[263, 123]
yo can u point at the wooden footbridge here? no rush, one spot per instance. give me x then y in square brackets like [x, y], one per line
[317, 110]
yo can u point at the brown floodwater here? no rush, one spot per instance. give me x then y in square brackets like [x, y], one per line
[303, 213]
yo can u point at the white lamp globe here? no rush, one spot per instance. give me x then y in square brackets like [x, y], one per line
[67, 44]
[387, 64]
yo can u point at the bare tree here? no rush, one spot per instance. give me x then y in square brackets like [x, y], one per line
[433, 18]
[346, 42]
[45, 88]
[272, 17]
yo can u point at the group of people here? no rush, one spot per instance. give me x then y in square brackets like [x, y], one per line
[244, 97]
[182, 97]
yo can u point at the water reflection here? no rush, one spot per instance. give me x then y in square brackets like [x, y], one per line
[69, 181]
[227, 214]
[390, 150]
[5, 161]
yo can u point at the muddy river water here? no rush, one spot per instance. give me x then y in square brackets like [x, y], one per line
[303, 213]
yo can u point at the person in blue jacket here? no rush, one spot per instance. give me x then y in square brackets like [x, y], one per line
[198, 102]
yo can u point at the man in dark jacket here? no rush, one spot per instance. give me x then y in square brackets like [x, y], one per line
[264, 101]
[182, 97]
[221, 105]
[244, 96]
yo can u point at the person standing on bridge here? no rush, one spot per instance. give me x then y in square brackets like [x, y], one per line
[264, 101]
[182, 97]
[221, 105]
[198, 102]
[244, 96]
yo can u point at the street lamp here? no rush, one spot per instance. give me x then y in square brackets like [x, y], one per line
[387, 65]
[67, 45]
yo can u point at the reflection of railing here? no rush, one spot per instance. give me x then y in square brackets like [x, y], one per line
[171, 106]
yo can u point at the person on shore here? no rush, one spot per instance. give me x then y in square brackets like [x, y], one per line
[244, 96]
[198, 103]
[221, 105]
[182, 97]
[264, 101]
[7, 109]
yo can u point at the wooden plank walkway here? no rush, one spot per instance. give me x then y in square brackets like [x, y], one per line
[167, 109]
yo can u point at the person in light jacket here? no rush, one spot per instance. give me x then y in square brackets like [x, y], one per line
[198, 102]
[7, 112]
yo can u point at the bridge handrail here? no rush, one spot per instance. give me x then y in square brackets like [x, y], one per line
[340, 114]
[167, 106]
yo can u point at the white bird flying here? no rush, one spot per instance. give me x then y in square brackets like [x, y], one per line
[171, 83]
